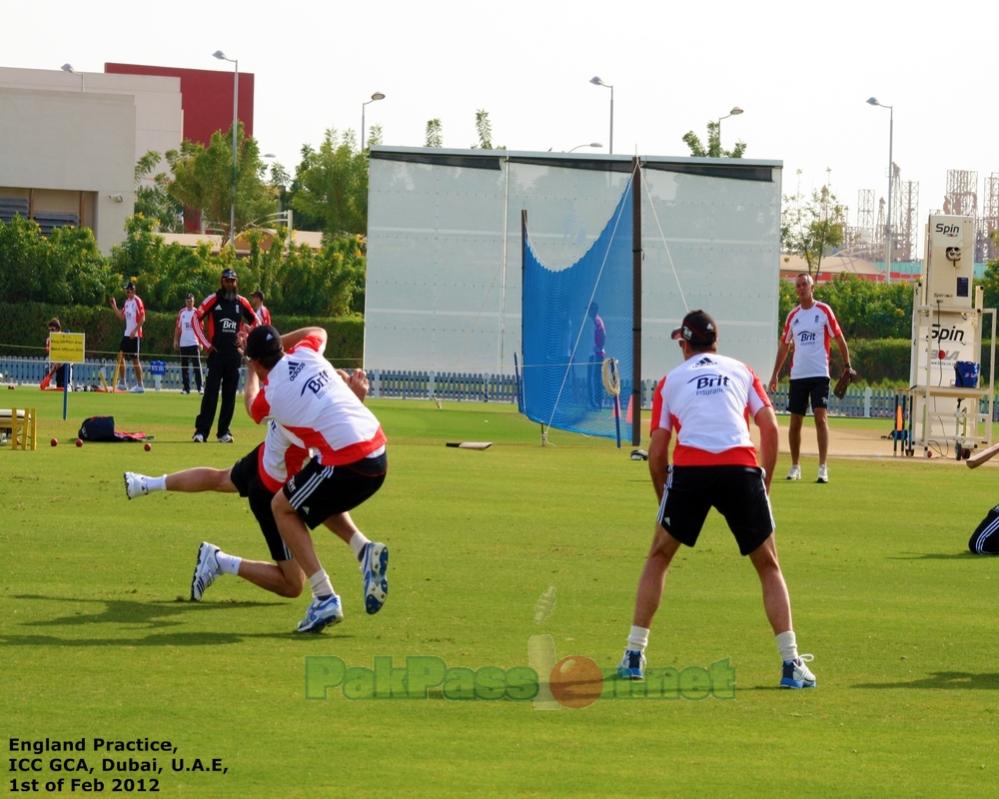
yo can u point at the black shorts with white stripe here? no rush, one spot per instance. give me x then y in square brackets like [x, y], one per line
[318, 492]
[738, 493]
[985, 539]
[245, 475]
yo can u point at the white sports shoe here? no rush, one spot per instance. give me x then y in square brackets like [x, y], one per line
[137, 389]
[198, 438]
[794, 473]
[136, 485]
[320, 614]
[795, 674]
[374, 565]
[823, 476]
[206, 570]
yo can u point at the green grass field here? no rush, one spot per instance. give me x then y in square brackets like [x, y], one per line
[100, 641]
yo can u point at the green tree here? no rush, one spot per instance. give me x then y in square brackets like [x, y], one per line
[714, 147]
[812, 228]
[331, 186]
[154, 201]
[202, 179]
[435, 133]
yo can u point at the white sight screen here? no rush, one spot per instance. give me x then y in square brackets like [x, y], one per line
[444, 250]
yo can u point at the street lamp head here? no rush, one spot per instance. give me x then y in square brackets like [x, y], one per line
[735, 111]
[596, 145]
[873, 101]
[377, 96]
[220, 55]
[597, 81]
[67, 67]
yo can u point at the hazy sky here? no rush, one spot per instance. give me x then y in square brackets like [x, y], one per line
[801, 70]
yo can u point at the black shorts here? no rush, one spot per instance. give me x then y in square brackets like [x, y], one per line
[129, 345]
[318, 492]
[245, 475]
[738, 492]
[804, 389]
[985, 539]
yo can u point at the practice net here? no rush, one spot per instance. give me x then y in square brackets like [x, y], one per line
[577, 332]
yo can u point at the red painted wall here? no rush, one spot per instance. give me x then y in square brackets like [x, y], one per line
[206, 97]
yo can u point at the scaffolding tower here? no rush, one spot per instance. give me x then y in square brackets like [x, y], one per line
[906, 229]
[988, 223]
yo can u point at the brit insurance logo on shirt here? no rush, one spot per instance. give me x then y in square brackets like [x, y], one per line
[229, 325]
[708, 384]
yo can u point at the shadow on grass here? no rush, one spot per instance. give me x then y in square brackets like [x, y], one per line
[952, 680]
[965, 555]
[153, 615]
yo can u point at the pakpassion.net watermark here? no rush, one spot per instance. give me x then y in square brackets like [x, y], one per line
[575, 681]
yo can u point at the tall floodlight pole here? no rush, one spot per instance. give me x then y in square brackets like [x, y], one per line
[733, 113]
[374, 98]
[891, 141]
[596, 81]
[235, 124]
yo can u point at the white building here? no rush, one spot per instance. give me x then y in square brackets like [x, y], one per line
[69, 143]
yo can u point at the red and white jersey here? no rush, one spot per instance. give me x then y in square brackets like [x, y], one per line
[810, 330]
[304, 394]
[708, 401]
[185, 327]
[279, 458]
[134, 312]
[263, 315]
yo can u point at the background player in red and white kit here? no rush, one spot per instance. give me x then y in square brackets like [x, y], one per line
[261, 310]
[133, 313]
[809, 328]
[186, 341]
[289, 380]
[707, 402]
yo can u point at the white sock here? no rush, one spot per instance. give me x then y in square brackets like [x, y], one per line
[228, 564]
[638, 639]
[156, 483]
[321, 585]
[357, 543]
[788, 646]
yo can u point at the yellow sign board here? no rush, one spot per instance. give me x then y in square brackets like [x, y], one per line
[67, 347]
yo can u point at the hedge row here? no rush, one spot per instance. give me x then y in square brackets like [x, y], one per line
[25, 327]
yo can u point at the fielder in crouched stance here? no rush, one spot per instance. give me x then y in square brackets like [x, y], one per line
[707, 400]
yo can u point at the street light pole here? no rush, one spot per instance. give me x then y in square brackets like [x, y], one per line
[733, 113]
[891, 142]
[235, 124]
[596, 81]
[374, 98]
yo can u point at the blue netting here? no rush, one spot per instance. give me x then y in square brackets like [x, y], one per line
[562, 383]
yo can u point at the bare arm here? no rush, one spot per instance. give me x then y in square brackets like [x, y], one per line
[843, 350]
[120, 313]
[358, 382]
[766, 420]
[289, 340]
[782, 350]
[659, 460]
[251, 389]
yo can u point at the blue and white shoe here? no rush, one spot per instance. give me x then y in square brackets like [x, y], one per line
[632, 666]
[374, 566]
[320, 614]
[206, 570]
[796, 674]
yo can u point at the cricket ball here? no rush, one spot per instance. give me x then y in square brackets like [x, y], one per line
[54, 442]
[576, 681]
[79, 442]
[148, 447]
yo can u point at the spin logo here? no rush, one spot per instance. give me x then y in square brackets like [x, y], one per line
[946, 230]
[940, 334]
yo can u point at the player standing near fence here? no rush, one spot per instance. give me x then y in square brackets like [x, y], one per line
[186, 341]
[809, 328]
[707, 402]
[133, 313]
